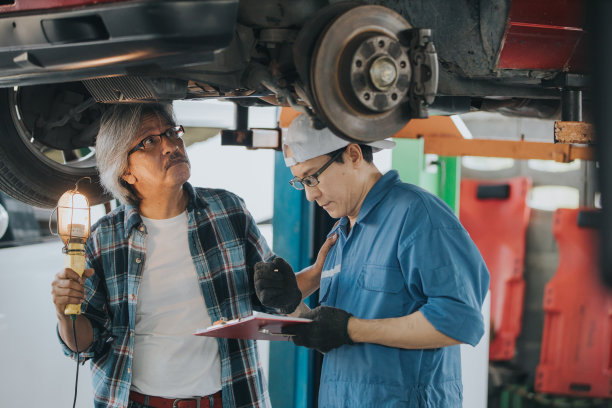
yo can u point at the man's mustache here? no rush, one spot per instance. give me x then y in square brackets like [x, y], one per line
[176, 158]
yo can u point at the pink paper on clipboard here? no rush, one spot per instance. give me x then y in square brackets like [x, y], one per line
[258, 326]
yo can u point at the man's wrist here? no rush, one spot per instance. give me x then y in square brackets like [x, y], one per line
[62, 317]
[350, 340]
[352, 329]
[308, 281]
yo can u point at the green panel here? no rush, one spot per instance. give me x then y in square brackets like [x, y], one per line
[409, 160]
[450, 181]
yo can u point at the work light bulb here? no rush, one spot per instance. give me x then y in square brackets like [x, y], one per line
[73, 226]
[73, 223]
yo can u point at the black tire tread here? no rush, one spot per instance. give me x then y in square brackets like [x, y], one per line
[28, 179]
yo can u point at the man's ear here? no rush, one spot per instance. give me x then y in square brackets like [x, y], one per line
[128, 177]
[354, 154]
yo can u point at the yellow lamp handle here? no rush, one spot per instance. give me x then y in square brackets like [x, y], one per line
[75, 260]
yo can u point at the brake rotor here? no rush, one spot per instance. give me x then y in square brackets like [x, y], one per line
[360, 74]
[309, 34]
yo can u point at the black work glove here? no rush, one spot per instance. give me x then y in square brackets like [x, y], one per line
[327, 331]
[276, 286]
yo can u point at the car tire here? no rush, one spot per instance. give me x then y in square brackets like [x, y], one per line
[27, 173]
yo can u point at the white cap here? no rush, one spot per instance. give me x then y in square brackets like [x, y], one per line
[306, 143]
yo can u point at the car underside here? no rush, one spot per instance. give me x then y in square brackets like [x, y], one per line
[362, 69]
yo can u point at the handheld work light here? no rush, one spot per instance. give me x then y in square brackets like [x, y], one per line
[73, 226]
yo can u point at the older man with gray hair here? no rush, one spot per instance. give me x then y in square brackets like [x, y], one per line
[171, 259]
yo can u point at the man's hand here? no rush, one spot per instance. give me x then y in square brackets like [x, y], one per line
[329, 242]
[68, 288]
[327, 331]
[276, 286]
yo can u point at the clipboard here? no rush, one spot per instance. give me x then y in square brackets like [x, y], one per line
[258, 326]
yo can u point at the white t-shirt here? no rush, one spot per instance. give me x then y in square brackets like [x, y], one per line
[169, 361]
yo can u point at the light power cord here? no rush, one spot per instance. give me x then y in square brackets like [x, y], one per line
[76, 346]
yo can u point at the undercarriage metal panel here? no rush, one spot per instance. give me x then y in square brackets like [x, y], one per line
[112, 38]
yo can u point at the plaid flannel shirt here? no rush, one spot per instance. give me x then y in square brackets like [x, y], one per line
[224, 243]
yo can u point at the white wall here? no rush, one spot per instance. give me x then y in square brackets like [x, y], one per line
[475, 365]
[33, 369]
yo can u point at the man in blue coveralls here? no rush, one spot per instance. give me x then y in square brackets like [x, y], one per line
[400, 290]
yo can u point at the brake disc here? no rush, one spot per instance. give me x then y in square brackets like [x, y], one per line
[310, 33]
[361, 74]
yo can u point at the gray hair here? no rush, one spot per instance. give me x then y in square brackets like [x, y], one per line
[119, 126]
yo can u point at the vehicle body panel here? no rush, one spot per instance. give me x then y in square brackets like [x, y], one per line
[544, 35]
[111, 39]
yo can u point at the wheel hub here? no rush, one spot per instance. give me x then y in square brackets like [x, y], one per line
[380, 73]
[383, 73]
[370, 73]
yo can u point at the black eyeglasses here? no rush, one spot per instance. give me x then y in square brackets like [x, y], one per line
[149, 143]
[313, 180]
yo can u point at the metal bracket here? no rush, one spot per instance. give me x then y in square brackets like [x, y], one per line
[424, 62]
